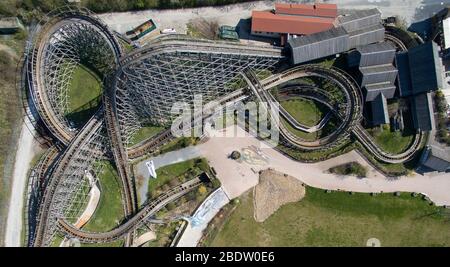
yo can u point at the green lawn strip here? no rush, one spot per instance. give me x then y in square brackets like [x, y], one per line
[85, 87]
[117, 243]
[176, 144]
[57, 239]
[316, 155]
[173, 174]
[392, 142]
[340, 219]
[304, 111]
[144, 133]
[109, 212]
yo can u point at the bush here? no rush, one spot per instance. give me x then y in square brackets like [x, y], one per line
[441, 106]
[352, 168]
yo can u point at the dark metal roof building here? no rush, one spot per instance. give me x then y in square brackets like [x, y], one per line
[357, 28]
[404, 74]
[371, 91]
[436, 158]
[374, 54]
[379, 110]
[426, 67]
[422, 112]
[354, 20]
[420, 69]
[365, 36]
[378, 74]
[319, 45]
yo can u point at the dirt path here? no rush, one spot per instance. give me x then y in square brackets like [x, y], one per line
[25, 153]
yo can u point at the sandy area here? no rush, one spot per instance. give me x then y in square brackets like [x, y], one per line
[273, 191]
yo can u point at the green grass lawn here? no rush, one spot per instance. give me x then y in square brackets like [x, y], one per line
[305, 111]
[144, 133]
[186, 169]
[177, 143]
[393, 142]
[85, 87]
[301, 134]
[340, 219]
[109, 212]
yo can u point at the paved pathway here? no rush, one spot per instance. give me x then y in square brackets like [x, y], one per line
[202, 216]
[25, 152]
[238, 177]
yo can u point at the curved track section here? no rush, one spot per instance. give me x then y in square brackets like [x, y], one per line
[66, 38]
[364, 137]
[86, 148]
[134, 222]
[349, 112]
[350, 118]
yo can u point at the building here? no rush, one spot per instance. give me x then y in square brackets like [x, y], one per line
[420, 69]
[363, 26]
[318, 45]
[376, 76]
[293, 19]
[422, 112]
[354, 29]
[440, 30]
[436, 158]
[379, 110]
[10, 25]
[369, 55]
[420, 72]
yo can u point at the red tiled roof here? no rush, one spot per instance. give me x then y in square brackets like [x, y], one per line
[266, 21]
[316, 10]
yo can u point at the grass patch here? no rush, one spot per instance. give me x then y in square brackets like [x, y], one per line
[339, 219]
[178, 143]
[390, 141]
[57, 239]
[304, 111]
[117, 243]
[145, 133]
[174, 174]
[83, 95]
[352, 168]
[109, 212]
[304, 135]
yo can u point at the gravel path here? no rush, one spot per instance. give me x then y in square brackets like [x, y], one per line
[25, 152]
